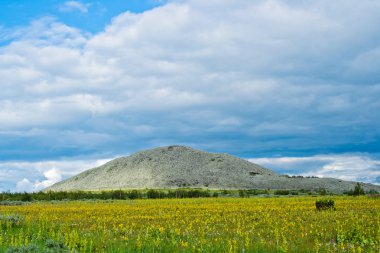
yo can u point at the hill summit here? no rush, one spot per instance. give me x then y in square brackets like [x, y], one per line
[166, 167]
[180, 166]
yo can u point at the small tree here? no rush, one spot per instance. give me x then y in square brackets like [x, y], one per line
[358, 190]
[243, 194]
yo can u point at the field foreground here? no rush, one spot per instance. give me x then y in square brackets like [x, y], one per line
[289, 224]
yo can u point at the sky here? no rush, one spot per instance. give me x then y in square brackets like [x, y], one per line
[291, 85]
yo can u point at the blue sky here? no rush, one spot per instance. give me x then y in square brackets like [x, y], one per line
[292, 85]
[91, 16]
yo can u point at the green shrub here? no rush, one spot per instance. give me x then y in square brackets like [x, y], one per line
[373, 192]
[294, 192]
[31, 248]
[354, 236]
[134, 194]
[226, 192]
[243, 194]
[12, 220]
[257, 191]
[282, 192]
[153, 194]
[56, 246]
[325, 204]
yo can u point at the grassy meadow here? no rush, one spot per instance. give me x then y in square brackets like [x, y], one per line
[277, 224]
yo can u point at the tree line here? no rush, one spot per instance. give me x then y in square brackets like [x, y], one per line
[106, 195]
[161, 194]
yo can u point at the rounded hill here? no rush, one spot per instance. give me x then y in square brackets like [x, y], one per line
[179, 166]
[167, 167]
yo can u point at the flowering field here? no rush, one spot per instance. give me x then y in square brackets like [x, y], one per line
[289, 224]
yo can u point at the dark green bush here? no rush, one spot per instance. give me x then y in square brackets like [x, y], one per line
[257, 192]
[304, 191]
[153, 194]
[282, 192]
[294, 192]
[373, 192]
[134, 194]
[325, 204]
[243, 194]
[226, 192]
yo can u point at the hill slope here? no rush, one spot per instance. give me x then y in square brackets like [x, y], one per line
[178, 166]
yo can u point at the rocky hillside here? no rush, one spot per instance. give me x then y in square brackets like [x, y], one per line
[179, 166]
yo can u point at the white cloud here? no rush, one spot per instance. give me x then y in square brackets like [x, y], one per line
[70, 6]
[35, 176]
[70, 109]
[42, 34]
[352, 167]
[52, 176]
[24, 186]
[193, 57]
[240, 75]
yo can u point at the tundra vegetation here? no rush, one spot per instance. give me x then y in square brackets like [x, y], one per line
[260, 224]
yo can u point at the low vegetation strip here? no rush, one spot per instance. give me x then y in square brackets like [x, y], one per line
[9, 198]
[193, 225]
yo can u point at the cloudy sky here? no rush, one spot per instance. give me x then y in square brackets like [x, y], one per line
[292, 85]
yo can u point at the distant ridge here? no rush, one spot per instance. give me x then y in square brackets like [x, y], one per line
[180, 166]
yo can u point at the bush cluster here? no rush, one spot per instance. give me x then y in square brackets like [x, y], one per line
[325, 204]
[252, 192]
[282, 192]
[18, 198]
[179, 193]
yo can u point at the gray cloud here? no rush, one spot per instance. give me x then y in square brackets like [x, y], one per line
[261, 78]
